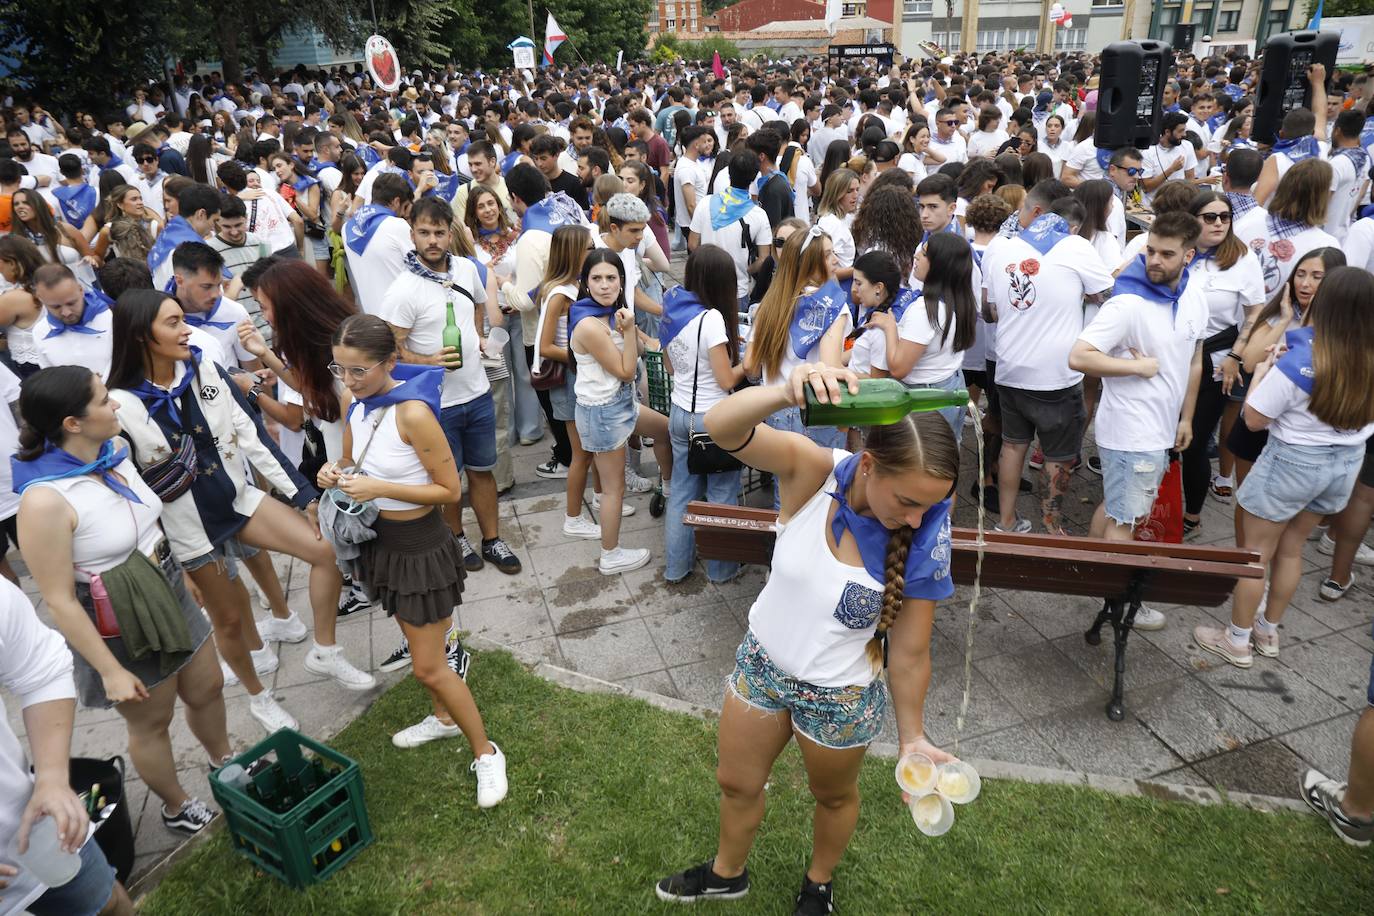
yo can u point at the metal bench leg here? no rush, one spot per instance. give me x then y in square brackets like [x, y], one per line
[1115, 712]
[1094, 635]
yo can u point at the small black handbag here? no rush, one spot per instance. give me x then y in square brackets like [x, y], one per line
[704, 456]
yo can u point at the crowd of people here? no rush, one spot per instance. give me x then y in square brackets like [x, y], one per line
[296, 314]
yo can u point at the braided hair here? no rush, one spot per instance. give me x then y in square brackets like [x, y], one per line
[920, 441]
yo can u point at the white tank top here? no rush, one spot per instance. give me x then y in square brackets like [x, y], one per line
[594, 384]
[816, 614]
[389, 458]
[22, 349]
[109, 527]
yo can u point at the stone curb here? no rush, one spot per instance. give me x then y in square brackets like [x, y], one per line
[992, 769]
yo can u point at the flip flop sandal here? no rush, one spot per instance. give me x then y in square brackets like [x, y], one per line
[1222, 492]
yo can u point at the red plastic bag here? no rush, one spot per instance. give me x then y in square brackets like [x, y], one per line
[1165, 524]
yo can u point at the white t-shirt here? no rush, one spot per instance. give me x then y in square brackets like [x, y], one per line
[1116, 225]
[688, 358]
[730, 237]
[1278, 257]
[1277, 397]
[269, 218]
[985, 143]
[1359, 244]
[841, 238]
[629, 257]
[71, 348]
[1345, 196]
[806, 180]
[1039, 302]
[1139, 414]
[9, 441]
[955, 150]
[912, 165]
[685, 172]
[1229, 292]
[420, 305]
[1159, 158]
[381, 262]
[940, 359]
[1083, 159]
[1058, 154]
[231, 312]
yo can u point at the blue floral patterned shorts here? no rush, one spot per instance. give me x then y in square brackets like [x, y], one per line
[834, 717]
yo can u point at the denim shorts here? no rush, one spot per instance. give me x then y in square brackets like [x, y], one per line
[471, 431]
[954, 416]
[84, 895]
[607, 427]
[834, 717]
[226, 555]
[1288, 479]
[562, 399]
[320, 247]
[1130, 481]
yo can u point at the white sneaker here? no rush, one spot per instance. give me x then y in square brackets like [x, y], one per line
[265, 661]
[626, 510]
[426, 730]
[491, 777]
[262, 601]
[1364, 554]
[270, 714]
[1318, 532]
[636, 483]
[274, 629]
[620, 560]
[1147, 618]
[580, 527]
[230, 678]
[330, 662]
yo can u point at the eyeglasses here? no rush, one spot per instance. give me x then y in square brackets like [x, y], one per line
[1210, 218]
[145, 159]
[949, 123]
[357, 372]
[1133, 171]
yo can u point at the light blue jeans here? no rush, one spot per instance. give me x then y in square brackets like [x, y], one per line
[954, 416]
[681, 544]
[527, 417]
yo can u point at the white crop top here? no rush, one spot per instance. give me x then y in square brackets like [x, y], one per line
[816, 614]
[109, 527]
[594, 385]
[389, 458]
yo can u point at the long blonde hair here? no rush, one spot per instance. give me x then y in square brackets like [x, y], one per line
[919, 442]
[567, 251]
[1343, 349]
[796, 270]
[836, 187]
[1303, 193]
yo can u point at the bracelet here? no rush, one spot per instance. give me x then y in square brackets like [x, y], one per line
[1234, 355]
[730, 451]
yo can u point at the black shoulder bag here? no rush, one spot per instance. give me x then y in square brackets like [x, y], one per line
[704, 456]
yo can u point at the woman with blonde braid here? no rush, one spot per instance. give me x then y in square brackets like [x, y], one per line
[863, 557]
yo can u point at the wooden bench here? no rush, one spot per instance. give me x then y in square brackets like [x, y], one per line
[1125, 574]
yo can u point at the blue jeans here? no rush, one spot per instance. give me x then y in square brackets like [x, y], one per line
[1130, 482]
[681, 542]
[527, 420]
[954, 416]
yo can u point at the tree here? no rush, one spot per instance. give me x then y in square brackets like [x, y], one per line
[600, 28]
[1341, 8]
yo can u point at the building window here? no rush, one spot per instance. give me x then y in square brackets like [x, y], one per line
[653, 20]
[1109, 2]
[1229, 21]
[916, 8]
[1070, 39]
[991, 40]
[1021, 38]
[940, 38]
[694, 23]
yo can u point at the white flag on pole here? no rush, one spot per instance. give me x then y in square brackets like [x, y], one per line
[833, 12]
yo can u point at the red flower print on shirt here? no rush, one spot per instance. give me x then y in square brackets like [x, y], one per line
[1282, 249]
[1030, 267]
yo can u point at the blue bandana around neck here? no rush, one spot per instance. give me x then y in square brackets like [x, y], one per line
[367, 155]
[96, 303]
[1296, 363]
[1216, 121]
[729, 206]
[76, 202]
[557, 209]
[1104, 159]
[303, 183]
[114, 163]
[177, 232]
[56, 464]
[206, 319]
[952, 226]
[764, 179]
[156, 398]
[928, 558]
[587, 308]
[814, 314]
[1047, 231]
[361, 226]
[417, 383]
[1358, 157]
[509, 161]
[1299, 148]
[680, 306]
[1367, 133]
[1133, 281]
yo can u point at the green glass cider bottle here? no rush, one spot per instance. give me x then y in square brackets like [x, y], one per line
[880, 401]
[453, 336]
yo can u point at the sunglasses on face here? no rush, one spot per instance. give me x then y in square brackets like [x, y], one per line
[147, 159]
[949, 123]
[1133, 171]
[1211, 218]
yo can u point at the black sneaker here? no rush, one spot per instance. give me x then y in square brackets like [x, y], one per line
[458, 657]
[1324, 797]
[552, 470]
[471, 560]
[815, 899]
[1095, 465]
[352, 599]
[191, 819]
[498, 553]
[700, 883]
[398, 659]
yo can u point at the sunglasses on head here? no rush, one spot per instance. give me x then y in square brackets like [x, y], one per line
[1224, 217]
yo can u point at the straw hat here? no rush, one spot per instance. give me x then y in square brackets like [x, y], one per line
[135, 129]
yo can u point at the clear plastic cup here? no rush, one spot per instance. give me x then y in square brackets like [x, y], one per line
[46, 860]
[958, 782]
[497, 338]
[932, 813]
[916, 774]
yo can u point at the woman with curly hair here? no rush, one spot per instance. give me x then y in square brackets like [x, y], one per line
[889, 220]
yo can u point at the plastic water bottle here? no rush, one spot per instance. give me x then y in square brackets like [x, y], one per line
[46, 860]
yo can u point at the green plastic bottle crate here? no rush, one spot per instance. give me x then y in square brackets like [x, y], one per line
[297, 845]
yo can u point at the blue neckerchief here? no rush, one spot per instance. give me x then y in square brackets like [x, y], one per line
[114, 163]
[680, 306]
[1299, 148]
[510, 160]
[1104, 159]
[1357, 156]
[56, 464]
[814, 314]
[177, 232]
[1296, 363]
[1170, 109]
[927, 559]
[587, 308]
[1203, 254]
[418, 383]
[1133, 281]
[156, 398]
[898, 306]
[1216, 121]
[462, 149]
[367, 155]
[1367, 133]
[729, 206]
[96, 302]
[76, 202]
[446, 185]
[557, 209]
[1046, 232]
[1235, 92]
[952, 226]
[763, 180]
[361, 226]
[197, 320]
[304, 182]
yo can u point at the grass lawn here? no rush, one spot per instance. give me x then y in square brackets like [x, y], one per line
[609, 794]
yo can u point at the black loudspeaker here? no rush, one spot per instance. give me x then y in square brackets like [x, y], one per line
[1130, 94]
[1283, 82]
[1185, 33]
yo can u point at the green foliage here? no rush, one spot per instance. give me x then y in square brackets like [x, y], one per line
[600, 28]
[662, 54]
[1341, 8]
[700, 50]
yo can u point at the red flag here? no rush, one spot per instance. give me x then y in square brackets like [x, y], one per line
[716, 67]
